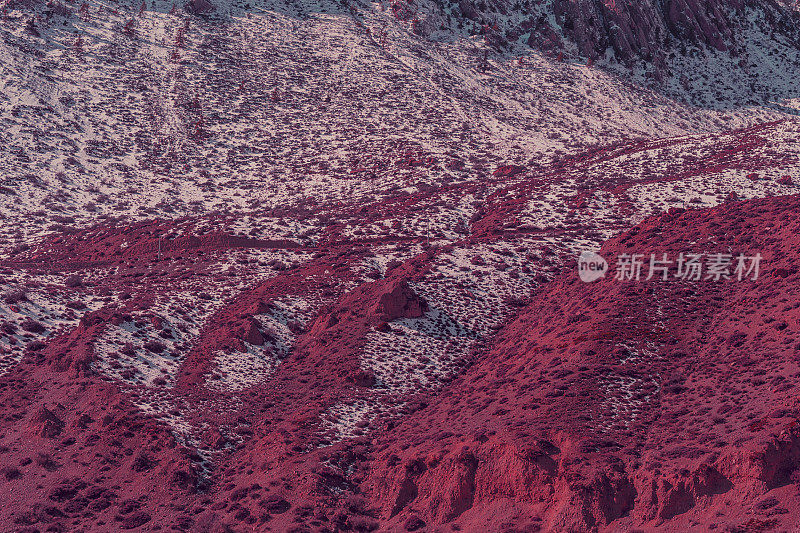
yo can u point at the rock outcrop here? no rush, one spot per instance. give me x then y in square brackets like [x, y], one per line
[648, 30]
[400, 301]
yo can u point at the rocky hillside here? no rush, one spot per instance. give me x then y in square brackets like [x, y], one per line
[310, 266]
[715, 53]
[653, 29]
[385, 370]
[664, 405]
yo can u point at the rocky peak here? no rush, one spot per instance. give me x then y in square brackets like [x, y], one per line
[637, 30]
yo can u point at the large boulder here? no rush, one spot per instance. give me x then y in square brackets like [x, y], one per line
[400, 301]
[45, 423]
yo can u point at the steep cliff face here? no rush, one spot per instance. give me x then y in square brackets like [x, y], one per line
[646, 30]
[717, 53]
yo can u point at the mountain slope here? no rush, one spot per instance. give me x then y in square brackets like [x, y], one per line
[255, 257]
[660, 404]
[159, 119]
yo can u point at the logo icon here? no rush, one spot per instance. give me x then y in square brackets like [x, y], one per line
[591, 267]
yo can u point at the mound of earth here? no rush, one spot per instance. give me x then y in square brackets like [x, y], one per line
[663, 405]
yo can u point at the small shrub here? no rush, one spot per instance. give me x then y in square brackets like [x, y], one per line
[11, 473]
[76, 305]
[15, 296]
[73, 281]
[154, 346]
[33, 326]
